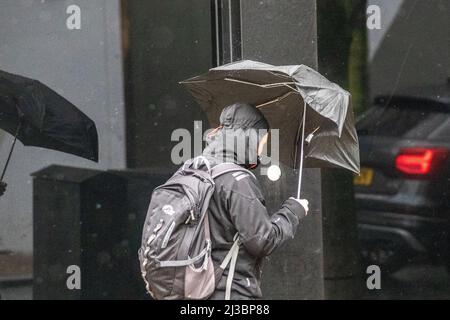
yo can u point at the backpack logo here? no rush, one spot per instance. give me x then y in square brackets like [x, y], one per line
[168, 209]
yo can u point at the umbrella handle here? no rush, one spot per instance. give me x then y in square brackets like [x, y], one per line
[11, 151]
[300, 169]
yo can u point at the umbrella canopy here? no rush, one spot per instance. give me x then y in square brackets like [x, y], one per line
[288, 96]
[40, 117]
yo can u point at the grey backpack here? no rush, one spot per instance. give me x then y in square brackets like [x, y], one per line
[175, 255]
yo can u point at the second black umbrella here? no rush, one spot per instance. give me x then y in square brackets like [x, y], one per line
[38, 116]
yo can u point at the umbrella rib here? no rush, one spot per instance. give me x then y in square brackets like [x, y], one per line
[275, 100]
[270, 85]
[191, 81]
[277, 74]
[279, 84]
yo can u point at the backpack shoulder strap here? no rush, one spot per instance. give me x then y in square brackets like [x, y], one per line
[231, 259]
[228, 167]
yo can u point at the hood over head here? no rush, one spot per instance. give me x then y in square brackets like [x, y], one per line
[242, 127]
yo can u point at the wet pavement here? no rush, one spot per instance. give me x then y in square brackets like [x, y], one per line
[420, 281]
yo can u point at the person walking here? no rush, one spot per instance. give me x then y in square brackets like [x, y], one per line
[238, 206]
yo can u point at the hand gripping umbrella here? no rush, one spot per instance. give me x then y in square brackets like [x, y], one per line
[38, 116]
[311, 113]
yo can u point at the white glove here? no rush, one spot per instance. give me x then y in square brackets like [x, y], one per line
[304, 203]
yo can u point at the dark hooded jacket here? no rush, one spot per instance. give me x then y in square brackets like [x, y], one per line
[238, 205]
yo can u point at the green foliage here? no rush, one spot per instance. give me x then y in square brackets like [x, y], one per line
[342, 46]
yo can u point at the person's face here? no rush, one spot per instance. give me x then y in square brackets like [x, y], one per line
[262, 143]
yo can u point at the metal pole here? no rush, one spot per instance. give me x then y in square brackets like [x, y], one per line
[300, 169]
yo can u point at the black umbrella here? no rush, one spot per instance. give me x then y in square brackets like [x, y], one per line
[310, 111]
[38, 116]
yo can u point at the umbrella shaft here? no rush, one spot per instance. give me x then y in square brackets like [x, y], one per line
[11, 151]
[300, 169]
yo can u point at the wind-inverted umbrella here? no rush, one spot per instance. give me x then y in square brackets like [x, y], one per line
[38, 116]
[310, 112]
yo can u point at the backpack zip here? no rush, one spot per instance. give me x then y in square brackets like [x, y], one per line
[168, 234]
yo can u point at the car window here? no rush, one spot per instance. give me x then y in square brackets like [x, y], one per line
[413, 120]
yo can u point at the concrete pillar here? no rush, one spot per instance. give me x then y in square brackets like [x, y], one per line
[337, 56]
[282, 33]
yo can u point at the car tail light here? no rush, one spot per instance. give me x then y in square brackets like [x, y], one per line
[420, 161]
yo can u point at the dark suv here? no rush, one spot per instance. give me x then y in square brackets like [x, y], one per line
[403, 192]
